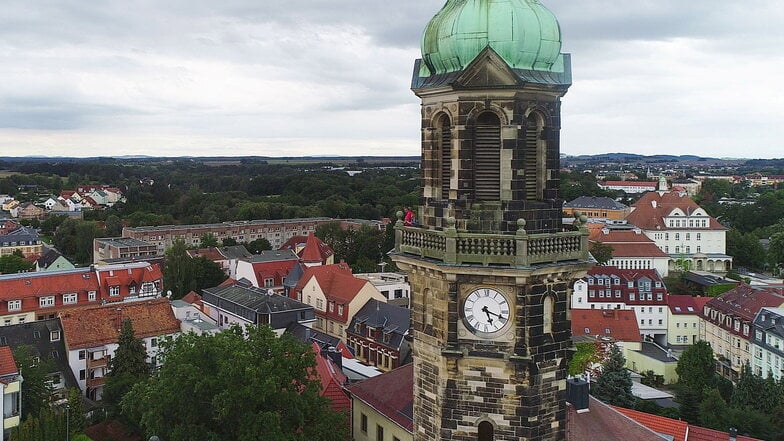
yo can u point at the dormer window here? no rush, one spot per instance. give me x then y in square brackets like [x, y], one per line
[114, 291]
[54, 336]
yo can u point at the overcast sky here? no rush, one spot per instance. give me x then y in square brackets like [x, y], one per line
[319, 77]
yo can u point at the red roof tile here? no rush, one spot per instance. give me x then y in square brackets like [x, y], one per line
[665, 426]
[604, 423]
[627, 243]
[211, 253]
[7, 362]
[96, 326]
[745, 301]
[679, 305]
[315, 250]
[649, 212]
[391, 394]
[337, 281]
[702, 434]
[332, 381]
[622, 324]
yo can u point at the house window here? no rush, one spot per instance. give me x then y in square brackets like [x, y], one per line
[379, 433]
[659, 296]
[154, 342]
[69, 299]
[363, 423]
[320, 304]
[269, 283]
[132, 289]
[82, 354]
[91, 296]
[699, 236]
[45, 302]
[485, 431]
[398, 293]
[14, 305]
[114, 291]
[340, 309]
[309, 300]
[54, 336]
[632, 297]
[331, 306]
[617, 293]
[81, 374]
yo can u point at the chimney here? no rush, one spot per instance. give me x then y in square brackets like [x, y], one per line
[733, 432]
[577, 394]
[335, 355]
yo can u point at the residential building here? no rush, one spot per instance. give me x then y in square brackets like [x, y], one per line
[308, 335]
[43, 339]
[34, 296]
[129, 281]
[22, 239]
[11, 386]
[29, 211]
[267, 269]
[683, 319]
[767, 343]
[679, 430]
[192, 319]
[333, 381]
[311, 250]
[377, 334]
[683, 230]
[242, 304]
[7, 226]
[642, 291]
[336, 295]
[629, 187]
[382, 407]
[393, 286]
[631, 249]
[727, 322]
[226, 257]
[52, 260]
[597, 208]
[277, 232]
[91, 336]
[106, 248]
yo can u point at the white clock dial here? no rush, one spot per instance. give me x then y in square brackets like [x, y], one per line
[486, 311]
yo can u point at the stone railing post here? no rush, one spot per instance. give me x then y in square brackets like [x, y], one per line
[450, 236]
[521, 245]
[398, 231]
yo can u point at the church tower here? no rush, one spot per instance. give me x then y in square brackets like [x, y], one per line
[491, 264]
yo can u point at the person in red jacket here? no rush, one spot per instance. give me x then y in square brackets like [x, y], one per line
[409, 219]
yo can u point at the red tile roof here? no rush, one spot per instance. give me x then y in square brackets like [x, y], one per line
[622, 324]
[679, 430]
[125, 276]
[315, 250]
[666, 426]
[332, 381]
[7, 362]
[649, 212]
[28, 287]
[391, 394]
[679, 305]
[604, 423]
[276, 270]
[627, 243]
[745, 301]
[626, 275]
[337, 281]
[211, 253]
[96, 326]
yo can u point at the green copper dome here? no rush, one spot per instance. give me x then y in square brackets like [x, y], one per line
[523, 32]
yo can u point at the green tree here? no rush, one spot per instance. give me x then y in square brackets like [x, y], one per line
[127, 367]
[258, 245]
[229, 242]
[76, 411]
[50, 425]
[713, 411]
[696, 366]
[243, 388]
[776, 250]
[74, 238]
[586, 354]
[614, 385]
[51, 223]
[36, 387]
[208, 240]
[11, 264]
[206, 273]
[602, 252]
[177, 274]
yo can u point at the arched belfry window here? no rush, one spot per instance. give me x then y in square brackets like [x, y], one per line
[487, 157]
[485, 431]
[445, 147]
[534, 157]
[548, 307]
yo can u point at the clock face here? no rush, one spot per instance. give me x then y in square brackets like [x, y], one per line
[486, 311]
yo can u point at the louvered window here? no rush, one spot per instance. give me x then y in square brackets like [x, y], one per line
[533, 187]
[446, 156]
[487, 157]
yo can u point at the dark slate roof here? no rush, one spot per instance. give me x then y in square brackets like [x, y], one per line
[260, 300]
[391, 394]
[37, 336]
[600, 203]
[770, 321]
[310, 335]
[707, 279]
[391, 319]
[22, 233]
[48, 258]
[293, 277]
[273, 256]
[235, 252]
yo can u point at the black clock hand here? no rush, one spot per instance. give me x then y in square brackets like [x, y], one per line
[487, 311]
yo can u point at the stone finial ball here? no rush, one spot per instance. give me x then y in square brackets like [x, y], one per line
[450, 222]
[399, 215]
[521, 223]
[583, 219]
[577, 214]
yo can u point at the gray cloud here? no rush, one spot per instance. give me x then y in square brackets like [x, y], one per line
[185, 74]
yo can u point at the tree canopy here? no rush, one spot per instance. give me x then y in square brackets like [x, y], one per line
[614, 385]
[243, 387]
[127, 367]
